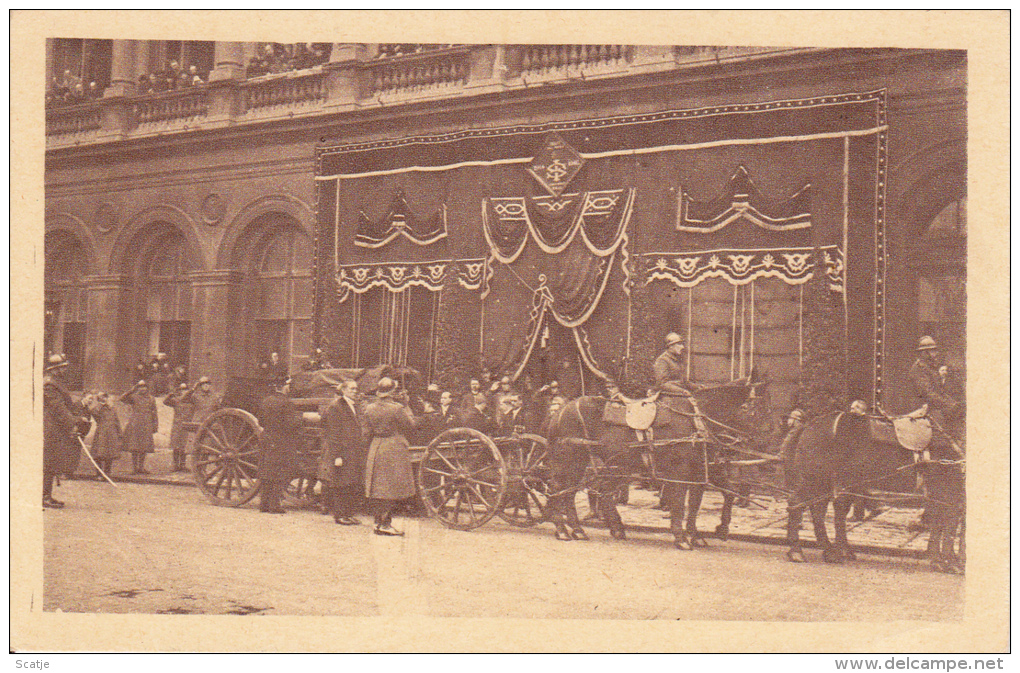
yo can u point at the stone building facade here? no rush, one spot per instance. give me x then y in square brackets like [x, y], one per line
[187, 221]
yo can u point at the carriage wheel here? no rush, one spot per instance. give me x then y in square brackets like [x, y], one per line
[462, 477]
[524, 504]
[226, 457]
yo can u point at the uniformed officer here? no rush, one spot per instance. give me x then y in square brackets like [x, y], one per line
[670, 369]
[63, 422]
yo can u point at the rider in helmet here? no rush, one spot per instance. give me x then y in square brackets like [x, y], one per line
[670, 369]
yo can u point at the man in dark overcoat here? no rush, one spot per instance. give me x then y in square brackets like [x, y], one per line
[342, 465]
[281, 422]
[388, 476]
[63, 422]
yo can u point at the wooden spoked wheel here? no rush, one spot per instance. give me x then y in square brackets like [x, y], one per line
[524, 503]
[226, 457]
[462, 478]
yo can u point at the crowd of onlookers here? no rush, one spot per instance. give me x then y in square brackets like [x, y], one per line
[174, 76]
[275, 58]
[69, 89]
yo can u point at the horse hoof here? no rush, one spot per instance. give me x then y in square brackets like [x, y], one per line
[618, 533]
[832, 555]
[722, 532]
[796, 556]
[683, 545]
[698, 541]
[850, 554]
[579, 535]
[563, 535]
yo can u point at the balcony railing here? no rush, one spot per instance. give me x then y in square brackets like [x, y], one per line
[185, 105]
[296, 89]
[544, 59]
[363, 76]
[416, 73]
[74, 119]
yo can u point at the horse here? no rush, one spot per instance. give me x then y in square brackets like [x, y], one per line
[585, 451]
[838, 459]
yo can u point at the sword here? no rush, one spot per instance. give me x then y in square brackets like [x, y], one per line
[94, 463]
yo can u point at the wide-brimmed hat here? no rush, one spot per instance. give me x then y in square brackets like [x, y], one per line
[673, 338]
[56, 361]
[926, 343]
[385, 386]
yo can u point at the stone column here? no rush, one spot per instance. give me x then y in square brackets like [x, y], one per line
[229, 61]
[49, 63]
[107, 351]
[344, 75]
[215, 336]
[117, 112]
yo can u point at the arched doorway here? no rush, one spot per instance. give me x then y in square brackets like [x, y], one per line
[939, 265]
[66, 302]
[278, 291]
[164, 296]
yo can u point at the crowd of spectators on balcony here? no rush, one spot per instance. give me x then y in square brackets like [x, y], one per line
[69, 89]
[171, 78]
[275, 58]
[393, 50]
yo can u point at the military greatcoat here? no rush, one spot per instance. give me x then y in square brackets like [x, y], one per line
[143, 422]
[388, 467]
[62, 418]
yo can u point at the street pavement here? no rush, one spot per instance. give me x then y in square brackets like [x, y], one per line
[156, 548]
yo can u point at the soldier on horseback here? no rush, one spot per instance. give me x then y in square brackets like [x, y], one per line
[669, 368]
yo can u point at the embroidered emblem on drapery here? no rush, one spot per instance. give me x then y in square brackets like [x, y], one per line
[556, 164]
[793, 266]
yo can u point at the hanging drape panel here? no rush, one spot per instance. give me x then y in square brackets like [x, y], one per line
[793, 266]
[600, 217]
[742, 200]
[397, 277]
[578, 237]
[399, 221]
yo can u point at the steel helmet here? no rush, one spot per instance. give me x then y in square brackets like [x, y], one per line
[673, 338]
[926, 343]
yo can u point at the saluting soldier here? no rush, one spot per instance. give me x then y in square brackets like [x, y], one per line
[670, 369]
[388, 477]
[183, 411]
[63, 422]
[142, 425]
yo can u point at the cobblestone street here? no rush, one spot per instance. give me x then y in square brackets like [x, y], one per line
[147, 548]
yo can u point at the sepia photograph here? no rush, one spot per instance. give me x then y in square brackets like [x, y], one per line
[673, 331]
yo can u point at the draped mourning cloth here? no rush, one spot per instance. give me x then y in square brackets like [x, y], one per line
[576, 238]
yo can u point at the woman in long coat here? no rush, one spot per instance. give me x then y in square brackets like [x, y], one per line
[388, 476]
[141, 426]
[107, 440]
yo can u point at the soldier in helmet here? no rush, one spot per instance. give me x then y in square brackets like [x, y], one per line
[931, 388]
[670, 369]
[388, 474]
[63, 422]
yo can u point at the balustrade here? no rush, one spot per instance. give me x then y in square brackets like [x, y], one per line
[184, 104]
[74, 119]
[419, 72]
[294, 89]
[548, 58]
